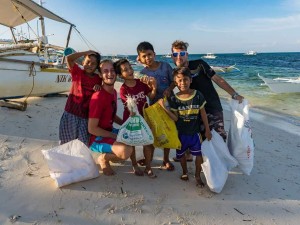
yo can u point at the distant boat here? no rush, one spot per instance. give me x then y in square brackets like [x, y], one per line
[282, 84]
[224, 69]
[209, 56]
[167, 55]
[251, 53]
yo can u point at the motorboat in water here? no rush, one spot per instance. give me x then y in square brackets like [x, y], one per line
[251, 53]
[209, 56]
[282, 84]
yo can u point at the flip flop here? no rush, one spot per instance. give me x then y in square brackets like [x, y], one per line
[150, 173]
[137, 172]
[168, 166]
[184, 177]
[141, 162]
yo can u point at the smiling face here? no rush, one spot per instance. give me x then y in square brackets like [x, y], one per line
[181, 58]
[90, 64]
[108, 73]
[183, 82]
[147, 57]
[126, 71]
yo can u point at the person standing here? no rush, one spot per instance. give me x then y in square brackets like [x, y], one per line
[203, 77]
[73, 123]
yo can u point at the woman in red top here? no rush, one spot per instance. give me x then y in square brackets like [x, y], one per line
[74, 121]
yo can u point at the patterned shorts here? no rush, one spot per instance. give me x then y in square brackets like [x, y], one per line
[216, 122]
[72, 127]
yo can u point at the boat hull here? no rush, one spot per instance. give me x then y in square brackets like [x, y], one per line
[28, 78]
[281, 85]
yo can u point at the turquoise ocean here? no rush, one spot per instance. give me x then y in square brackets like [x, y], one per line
[248, 84]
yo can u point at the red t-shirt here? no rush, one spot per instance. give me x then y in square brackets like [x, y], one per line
[139, 92]
[103, 106]
[81, 92]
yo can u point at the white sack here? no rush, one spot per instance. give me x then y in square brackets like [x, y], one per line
[240, 141]
[71, 162]
[217, 162]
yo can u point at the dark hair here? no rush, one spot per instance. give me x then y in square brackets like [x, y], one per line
[117, 65]
[180, 45]
[98, 59]
[185, 71]
[103, 62]
[144, 46]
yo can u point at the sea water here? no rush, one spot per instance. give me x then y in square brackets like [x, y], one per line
[248, 84]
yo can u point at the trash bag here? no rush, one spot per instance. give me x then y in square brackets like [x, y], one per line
[163, 127]
[217, 162]
[240, 141]
[71, 162]
[135, 132]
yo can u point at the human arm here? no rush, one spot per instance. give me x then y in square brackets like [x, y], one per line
[171, 114]
[225, 86]
[94, 129]
[72, 58]
[205, 122]
[169, 90]
[118, 120]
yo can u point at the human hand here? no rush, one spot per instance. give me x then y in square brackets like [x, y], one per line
[97, 87]
[167, 92]
[208, 134]
[132, 113]
[239, 98]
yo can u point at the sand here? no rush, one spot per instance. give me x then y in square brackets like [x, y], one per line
[270, 195]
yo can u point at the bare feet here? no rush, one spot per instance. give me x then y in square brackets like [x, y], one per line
[105, 166]
[199, 182]
[150, 173]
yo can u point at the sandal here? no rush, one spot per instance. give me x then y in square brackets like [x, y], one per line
[199, 182]
[184, 177]
[137, 171]
[168, 166]
[141, 162]
[150, 173]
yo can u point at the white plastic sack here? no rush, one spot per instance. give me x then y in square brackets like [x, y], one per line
[240, 141]
[71, 162]
[217, 162]
[135, 131]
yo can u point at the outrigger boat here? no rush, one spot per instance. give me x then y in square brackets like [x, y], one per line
[282, 84]
[25, 68]
[224, 69]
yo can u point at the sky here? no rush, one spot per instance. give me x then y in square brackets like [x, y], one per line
[218, 26]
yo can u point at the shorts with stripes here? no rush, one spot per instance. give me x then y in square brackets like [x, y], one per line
[73, 127]
[191, 142]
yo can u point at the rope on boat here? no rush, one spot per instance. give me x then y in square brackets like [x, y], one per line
[85, 40]
[32, 73]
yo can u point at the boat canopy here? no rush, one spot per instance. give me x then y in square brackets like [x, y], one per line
[17, 12]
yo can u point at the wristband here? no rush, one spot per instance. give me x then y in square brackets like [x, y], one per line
[234, 95]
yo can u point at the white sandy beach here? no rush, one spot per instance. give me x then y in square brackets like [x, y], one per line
[270, 195]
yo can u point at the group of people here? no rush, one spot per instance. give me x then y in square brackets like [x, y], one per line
[91, 107]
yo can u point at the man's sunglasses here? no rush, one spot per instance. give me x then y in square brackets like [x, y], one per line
[175, 54]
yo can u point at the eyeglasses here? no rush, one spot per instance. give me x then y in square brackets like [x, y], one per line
[175, 54]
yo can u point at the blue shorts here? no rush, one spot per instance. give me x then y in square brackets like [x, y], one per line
[191, 142]
[103, 144]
